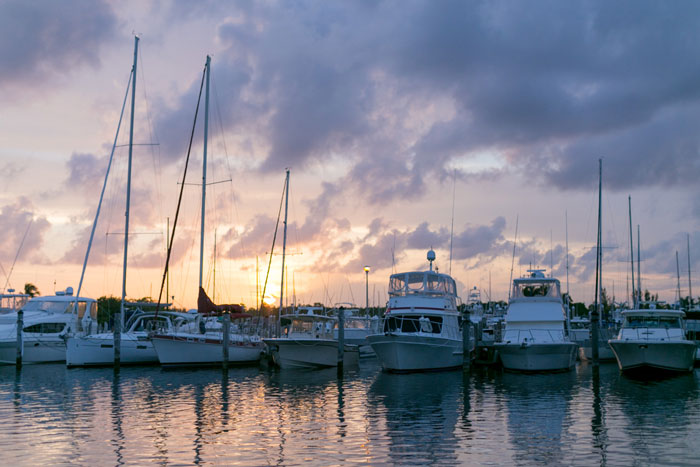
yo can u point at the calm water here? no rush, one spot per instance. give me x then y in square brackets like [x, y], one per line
[51, 415]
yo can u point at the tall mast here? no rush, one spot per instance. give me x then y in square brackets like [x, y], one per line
[690, 284]
[204, 170]
[566, 222]
[639, 267]
[452, 226]
[678, 276]
[284, 238]
[213, 292]
[595, 315]
[119, 322]
[634, 293]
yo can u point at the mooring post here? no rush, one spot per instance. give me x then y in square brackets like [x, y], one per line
[20, 343]
[117, 333]
[595, 316]
[341, 338]
[227, 332]
[466, 331]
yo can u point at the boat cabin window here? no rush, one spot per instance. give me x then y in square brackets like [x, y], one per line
[45, 328]
[536, 289]
[82, 306]
[413, 323]
[151, 324]
[664, 322]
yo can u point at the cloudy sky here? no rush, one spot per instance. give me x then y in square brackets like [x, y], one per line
[388, 114]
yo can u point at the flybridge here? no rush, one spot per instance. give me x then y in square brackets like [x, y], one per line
[421, 283]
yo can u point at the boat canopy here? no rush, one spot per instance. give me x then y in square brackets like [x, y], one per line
[536, 288]
[421, 283]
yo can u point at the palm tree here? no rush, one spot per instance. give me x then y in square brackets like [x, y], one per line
[31, 290]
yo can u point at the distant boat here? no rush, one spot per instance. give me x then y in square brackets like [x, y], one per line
[422, 326]
[653, 339]
[78, 348]
[581, 334]
[357, 327]
[47, 320]
[202, 344]
[307, 341]
[535, 336]
[136, 345]
[11, 301]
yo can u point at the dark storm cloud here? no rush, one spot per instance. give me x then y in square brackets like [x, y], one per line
[43, 37]
[551, 85]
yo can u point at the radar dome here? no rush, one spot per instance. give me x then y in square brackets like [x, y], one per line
[431, 255]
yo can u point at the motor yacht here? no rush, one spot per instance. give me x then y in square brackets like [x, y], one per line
[47, 321]
[653, 339]
[535, 336]
[422, 326]
[307, 341]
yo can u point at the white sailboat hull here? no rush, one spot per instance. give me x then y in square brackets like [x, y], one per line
[310, 353]
[550, 356]
[412, 352]
[193, 349]
[661, 355]
[98, 350]
[35, 350]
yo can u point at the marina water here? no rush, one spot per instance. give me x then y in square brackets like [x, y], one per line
[248, 416]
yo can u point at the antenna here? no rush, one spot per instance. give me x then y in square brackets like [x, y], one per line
[512, 261]
[452, 227]
[551, 254]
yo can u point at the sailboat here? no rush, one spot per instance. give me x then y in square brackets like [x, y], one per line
[209, 342]
[132, 347]
[605, 329]
[306, 339]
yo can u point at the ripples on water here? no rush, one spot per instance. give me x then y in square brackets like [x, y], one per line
[52, 415]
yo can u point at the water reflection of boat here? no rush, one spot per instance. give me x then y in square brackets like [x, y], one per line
[420, 412]
[538, 415]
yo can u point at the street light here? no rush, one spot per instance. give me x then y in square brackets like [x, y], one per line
[366, 268]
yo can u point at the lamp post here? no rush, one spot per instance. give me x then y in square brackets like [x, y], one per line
[366, 268]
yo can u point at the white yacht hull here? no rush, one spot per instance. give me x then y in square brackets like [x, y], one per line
[410, 352]
[193, 349]
[36, 350]
[310, 353]
[555, 356]
[98, 350]
[660, 355]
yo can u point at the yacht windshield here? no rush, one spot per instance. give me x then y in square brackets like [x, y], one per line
[47, 306]
[530, 289]
[665, 322]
